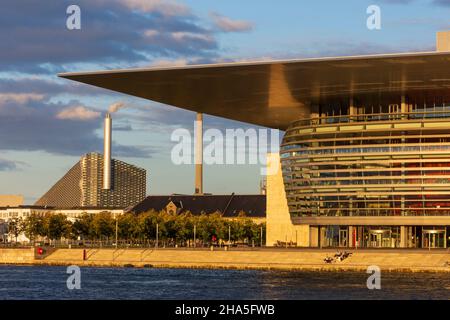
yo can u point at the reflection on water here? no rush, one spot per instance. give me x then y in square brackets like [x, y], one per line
[36, 282]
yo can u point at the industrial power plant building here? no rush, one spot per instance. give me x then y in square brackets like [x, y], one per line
[98, 181]
[82, 185]
[365, 157]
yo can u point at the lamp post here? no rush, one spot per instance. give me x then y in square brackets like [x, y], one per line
[229, 234]
[261, 236]
[195, 230]
[117, 227]
[157, 234]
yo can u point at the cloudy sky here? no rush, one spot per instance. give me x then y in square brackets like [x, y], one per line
[47, 123]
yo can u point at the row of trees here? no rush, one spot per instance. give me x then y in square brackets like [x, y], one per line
[171, 229]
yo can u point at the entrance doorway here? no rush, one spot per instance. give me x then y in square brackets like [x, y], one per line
[380, 238]
[333, 236]
[343, 237]
[376, 236]
[434, 238]
[375, 239]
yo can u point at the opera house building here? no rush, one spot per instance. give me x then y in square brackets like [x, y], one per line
[365, 157]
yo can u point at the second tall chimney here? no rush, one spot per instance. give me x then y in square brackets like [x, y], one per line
[199, 154]
[107, 153]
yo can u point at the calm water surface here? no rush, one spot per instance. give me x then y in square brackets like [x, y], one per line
[45, 282]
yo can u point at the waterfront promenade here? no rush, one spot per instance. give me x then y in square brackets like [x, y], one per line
[267, 258]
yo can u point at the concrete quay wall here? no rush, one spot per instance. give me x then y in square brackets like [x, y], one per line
[17, 255]
[280, 259]
[253, 259]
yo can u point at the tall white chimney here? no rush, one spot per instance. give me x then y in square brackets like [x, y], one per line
[199, 154]
[107, 153]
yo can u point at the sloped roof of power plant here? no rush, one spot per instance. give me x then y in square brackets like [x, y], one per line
[229, 205]
[275, 93]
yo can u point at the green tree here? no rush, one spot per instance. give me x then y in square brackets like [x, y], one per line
[184, 227]
[202, 226]
[128, 226]
[170, 224]
[103, 225]
[209, 226]
[57, 226]
[82, 227]
[147, 225]
[34, 226]
[179, 228]
[248, 230]
[15, 228]
[219, 227]
[236, 230]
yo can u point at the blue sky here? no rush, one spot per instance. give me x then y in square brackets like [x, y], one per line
[47, 123]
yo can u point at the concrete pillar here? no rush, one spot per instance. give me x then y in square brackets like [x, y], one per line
[314, 236]
[403, 237]
[323, 236]
[199, 154]
[351, 238]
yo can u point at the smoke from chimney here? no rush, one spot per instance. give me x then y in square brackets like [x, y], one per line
[107, 152]
[116, 107]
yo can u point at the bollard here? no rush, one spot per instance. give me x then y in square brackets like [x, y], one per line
[212, 248]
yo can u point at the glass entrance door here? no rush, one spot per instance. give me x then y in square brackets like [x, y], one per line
[343, 237]
[433, 239]
[380, 238]
[375, 240]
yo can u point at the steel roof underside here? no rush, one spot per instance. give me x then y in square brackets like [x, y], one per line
[275, 93]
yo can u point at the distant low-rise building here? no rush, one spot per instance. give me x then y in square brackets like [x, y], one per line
[23, 212]
[18, 213]
[230, 206]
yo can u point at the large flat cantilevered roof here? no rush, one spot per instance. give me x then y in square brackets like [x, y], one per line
[275, 93]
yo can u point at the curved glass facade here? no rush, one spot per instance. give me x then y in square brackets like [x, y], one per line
[370, 164]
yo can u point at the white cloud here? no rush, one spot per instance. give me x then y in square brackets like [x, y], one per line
[226, 24]
[147, 32]
[169, 63]
[151, 33]
[20, 98]
[186, 36]
[166, 7]
[77, 113]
